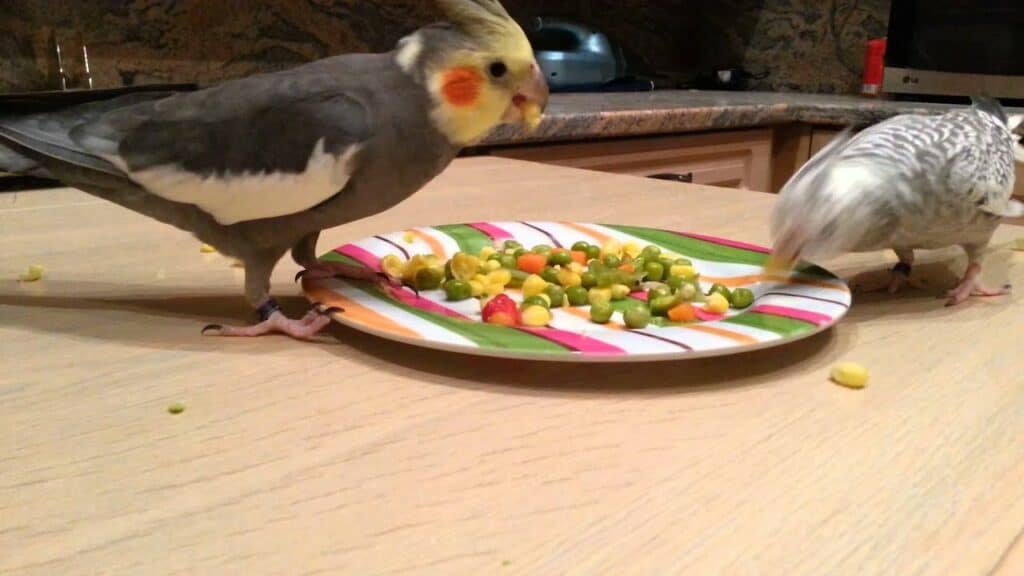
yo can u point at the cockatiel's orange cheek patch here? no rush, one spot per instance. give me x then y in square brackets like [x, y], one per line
[462, 86]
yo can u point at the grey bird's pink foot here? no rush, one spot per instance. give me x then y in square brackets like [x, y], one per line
[322, 270]
[273, 321]
[971, 285]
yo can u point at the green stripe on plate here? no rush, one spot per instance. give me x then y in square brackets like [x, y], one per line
[691, 247]
[782, 326]
[483, 335]
[469, 239]
[333, 256]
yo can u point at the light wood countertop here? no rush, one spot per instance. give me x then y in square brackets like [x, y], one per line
[361, 456]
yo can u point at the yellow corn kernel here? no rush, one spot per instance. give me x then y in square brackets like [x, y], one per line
[688, 292]
[491, 265]
[392, 266]
[532, 115]
[577, 267]
[632, 249]
[493, 288]
[544, 296]
[487, 251]
[536, 316]
[476, 288]
[500, 277]
[717, 304]
[409, 237]
[568, 278]
[850, 375]
[611, 247]
[464, 266]
[599, 296]
[34, 273]
[619, 292]
[534, 285]
[682, 271]
[207, 249]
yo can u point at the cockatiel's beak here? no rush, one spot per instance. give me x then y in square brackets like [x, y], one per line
[530, 100]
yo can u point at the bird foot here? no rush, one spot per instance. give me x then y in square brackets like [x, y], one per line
[971, 286]
[322, 270]
[899, 278]
[304, 328]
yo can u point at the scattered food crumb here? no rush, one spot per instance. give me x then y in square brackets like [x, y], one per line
[1018, 244]
[409, 237]
[850, 375]
[207, 249]
[176, 408]
[506, 562]
[34, 272]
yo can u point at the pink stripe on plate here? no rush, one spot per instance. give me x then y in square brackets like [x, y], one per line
[730, 243]
[794, 314]
[410, 299]
[360, 255]
[491, 230]
[575, 342]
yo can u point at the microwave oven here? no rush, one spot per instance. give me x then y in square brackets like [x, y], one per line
[955, 48]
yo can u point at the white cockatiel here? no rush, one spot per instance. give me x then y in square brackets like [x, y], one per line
[911, 182]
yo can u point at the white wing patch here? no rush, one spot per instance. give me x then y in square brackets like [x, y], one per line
[233, 198]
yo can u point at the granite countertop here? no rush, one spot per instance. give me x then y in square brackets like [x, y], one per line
[589, 116]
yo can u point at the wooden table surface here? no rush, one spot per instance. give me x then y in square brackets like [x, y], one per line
[361, 456]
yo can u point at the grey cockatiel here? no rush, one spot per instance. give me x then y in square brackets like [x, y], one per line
[910, 182]
[259, 166]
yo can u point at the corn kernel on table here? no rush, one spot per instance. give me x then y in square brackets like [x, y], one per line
[361, 456]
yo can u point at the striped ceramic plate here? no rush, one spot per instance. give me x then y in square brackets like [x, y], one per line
[786, 308]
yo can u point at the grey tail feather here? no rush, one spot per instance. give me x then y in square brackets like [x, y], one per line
[990, 106]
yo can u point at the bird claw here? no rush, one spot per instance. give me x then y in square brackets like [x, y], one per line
[305, 328]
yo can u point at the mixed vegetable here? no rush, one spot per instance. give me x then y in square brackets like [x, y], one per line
[642, 284]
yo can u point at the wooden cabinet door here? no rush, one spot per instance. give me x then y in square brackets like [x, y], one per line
[739, 159]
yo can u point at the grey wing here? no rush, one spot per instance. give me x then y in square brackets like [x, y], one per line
[254, 148]
[981, 170]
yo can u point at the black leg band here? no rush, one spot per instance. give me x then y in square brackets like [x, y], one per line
[902, 268]
[269, 307]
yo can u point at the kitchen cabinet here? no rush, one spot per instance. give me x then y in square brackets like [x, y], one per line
[733, 159]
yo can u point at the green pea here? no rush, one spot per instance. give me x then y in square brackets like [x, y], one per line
[457, 290]
[683, 262]
[652, 252]
[581, 246]
[655, 271]
[557, 295]
[429, 278]
[637, 317]
[721, 289]
[589, 279]
[675, 282]
[518, 277]
[448, 274]
[562, 258]
[519, 252]
[601, 312]
[593, 252]
[577, 296]
[612, 261]
[507, 261]
[541, 249]
[741, 298]
[605, 278]
[512, 245]
[549, 274]
[662, 304]
[688, 291]
[657, 292]
[666, 263]
[534, 301]
[176, 408]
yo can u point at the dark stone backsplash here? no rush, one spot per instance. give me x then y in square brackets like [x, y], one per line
[803, 45]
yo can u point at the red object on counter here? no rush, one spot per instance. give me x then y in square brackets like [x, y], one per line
[874, 67]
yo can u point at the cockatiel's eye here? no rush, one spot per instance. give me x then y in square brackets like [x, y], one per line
[498, 69]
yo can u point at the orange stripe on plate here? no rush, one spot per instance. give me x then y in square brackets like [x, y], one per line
[738, 281]
[435, 245]
[586, 316]
[357, 312]
[599, 236]
[735, 337]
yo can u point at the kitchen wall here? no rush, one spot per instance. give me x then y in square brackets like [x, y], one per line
[804, 45]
